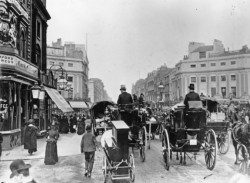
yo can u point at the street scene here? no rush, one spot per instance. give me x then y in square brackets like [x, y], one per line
[124, 91]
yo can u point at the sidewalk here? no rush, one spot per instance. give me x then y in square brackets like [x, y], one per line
[70, 166]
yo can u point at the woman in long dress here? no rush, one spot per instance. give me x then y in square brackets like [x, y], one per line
[51, 156]
[30, 137]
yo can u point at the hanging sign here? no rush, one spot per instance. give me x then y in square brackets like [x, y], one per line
[3, 104]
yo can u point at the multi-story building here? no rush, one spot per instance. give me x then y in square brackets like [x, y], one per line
[72, 60]
[96, 90]
[23, 66]
[214, 71]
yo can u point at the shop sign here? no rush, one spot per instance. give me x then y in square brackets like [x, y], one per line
[19, 64]
[3, 105]
[19, 7]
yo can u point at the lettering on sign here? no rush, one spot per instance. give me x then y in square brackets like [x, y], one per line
[18, 64]
[3, 104]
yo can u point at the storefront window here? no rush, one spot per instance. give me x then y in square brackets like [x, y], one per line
[4, 106]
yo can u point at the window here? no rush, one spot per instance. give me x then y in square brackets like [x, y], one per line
[202, 54]
[203, 79]
[213, 78]
[38, 29]
[213, 92]
[22, 45]
[70, 64]
[223, 78]
[61, 63]
[223, 92]
[233, 77]
[193, 79]
[213, 64]
[233, 90]
[52, 63]
[203, 65]
[193, 66]
[223, 63]
[70, 78]
[233, 62]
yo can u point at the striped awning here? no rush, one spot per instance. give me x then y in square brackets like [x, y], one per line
[61, 103]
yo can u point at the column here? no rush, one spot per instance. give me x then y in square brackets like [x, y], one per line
[242, 84]
[238, 90]
[246, 83]
[198, 84]
[208, 89]
[228, 85]
[218, 84]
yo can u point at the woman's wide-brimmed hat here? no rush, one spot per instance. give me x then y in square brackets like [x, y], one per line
[18, 165]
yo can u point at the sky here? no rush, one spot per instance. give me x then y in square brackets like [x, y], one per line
[126, 39]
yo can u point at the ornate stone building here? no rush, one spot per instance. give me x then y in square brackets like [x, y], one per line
[23, 29]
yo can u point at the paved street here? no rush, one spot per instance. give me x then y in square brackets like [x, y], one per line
[71, 165]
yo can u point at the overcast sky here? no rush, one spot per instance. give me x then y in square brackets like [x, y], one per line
[129, 38]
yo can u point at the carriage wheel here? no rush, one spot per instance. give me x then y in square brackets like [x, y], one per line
[242, 158]
[149, 135]
[210, 149]
[161, 131]
[132, 169]
[224, 142]
[143, 144]
[166, 148]
[105, 170]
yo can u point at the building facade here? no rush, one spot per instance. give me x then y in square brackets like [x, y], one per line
[22, 65]
[96, 90]
[212, 69]
[71, 59]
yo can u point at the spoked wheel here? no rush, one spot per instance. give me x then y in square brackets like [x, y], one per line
[149, 135]
[161, 130]
[143, 143]
[132, 169]
[166, 148]
[224, 142]
[210, 149]
[242, 158]
[105, 170]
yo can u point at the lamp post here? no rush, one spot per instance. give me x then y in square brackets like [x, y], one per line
[42, 93]
[62, 82]
[35, 91]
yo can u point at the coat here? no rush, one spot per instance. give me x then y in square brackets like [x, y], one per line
[88, 143]
[1, 141]
[125, 98]
[191, 96]
[30, 138]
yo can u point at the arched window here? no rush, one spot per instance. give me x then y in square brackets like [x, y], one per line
[22, 45]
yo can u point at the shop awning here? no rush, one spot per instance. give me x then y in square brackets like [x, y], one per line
[59, 100]
[78, 104]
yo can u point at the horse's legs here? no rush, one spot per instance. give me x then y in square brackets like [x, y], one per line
[235, 149]
[180, 157]
[177, 156]
[184, 162]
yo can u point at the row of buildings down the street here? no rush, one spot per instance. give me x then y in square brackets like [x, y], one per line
[69, 63]
[27, 87]
[213, 70]
[97, 90]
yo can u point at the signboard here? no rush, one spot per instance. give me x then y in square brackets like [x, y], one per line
[3, 105]
[18, 64]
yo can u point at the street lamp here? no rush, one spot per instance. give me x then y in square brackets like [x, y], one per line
[42, 93]
[161, 86]
[62, 83]
[35, 91]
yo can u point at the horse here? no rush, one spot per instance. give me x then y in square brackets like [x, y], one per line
[241, 134]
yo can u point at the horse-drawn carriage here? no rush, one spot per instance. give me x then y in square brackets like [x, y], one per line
[186, 133]
[217, 121]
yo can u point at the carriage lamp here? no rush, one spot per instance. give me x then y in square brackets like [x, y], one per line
[35, 91]
[42, 93]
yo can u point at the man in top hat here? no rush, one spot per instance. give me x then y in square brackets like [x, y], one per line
[124, 100]
[191, 96]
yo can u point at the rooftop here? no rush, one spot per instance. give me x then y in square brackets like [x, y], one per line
[204, 48]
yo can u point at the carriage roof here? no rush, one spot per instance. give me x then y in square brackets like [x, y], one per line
[99, 107]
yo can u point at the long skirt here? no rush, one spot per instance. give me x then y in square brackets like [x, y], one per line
[51, 156]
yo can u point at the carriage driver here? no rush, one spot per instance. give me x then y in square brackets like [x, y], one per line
[123, 100]
[191, 96]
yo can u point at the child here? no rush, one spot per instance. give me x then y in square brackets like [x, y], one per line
[20, 172]
[88, 146]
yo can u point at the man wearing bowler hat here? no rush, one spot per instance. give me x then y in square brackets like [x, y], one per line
[191, 96]
[123, 101]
